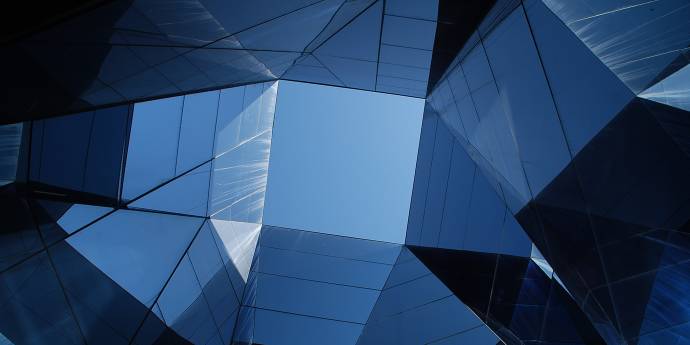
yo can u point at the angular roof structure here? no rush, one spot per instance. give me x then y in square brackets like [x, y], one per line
[355, 172]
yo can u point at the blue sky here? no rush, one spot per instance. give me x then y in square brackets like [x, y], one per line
[342, 161]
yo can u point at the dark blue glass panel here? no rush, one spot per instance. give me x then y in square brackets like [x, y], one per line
[457, 200]
[10, 140]
[637, 54]
[19, 235]
[333, 245]
[413, 8]
[407, 32]
[106, 147]
[355, 41]
[64, 145]
[425, 152]
[522, 85]
[438, 183]
[586, 93]
[33, 305]
[292, 32]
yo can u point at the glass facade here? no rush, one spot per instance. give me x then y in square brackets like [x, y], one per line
[280, 172]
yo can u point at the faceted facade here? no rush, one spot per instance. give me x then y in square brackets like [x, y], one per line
[549, 203]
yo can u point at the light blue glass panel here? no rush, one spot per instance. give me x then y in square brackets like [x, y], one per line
[79, 215]
[152, 153]
[197, 130]
[311, 298]
[354, 73]
[280, 328]
[212, 275]
[322, 268]
[205, 256]
[138, 250]
[674, 90]
[179, 293]
[186, 194]
[243, 143]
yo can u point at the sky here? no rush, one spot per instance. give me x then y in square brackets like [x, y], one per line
[342, 161]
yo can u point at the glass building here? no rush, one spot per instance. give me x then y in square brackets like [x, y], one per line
[356, 172]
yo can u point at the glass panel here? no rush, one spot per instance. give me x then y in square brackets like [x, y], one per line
[187, 194]
[322, 268]
[243, 143]
[586, 93]
[274, 328]
[331, 245]
[408, 32]
[357, 40]
[138, 250]
[79, 215]
[523, 87]
[304, 297]
[106, 147]
[422, 9]
[152, 153]
[197, 129]
[291, 32]
[33, 305]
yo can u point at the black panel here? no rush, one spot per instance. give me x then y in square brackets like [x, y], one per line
[457, 20]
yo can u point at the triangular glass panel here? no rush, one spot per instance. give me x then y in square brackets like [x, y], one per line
[237, 243]
[138, 250]
[79, 215]
[673, 91]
